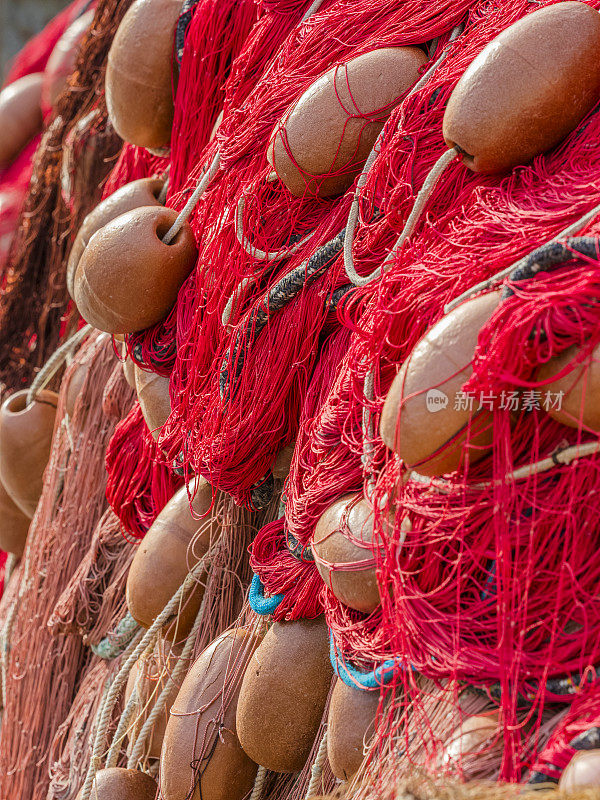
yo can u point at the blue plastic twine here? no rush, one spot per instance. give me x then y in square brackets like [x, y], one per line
[259, 603]
[356, 679]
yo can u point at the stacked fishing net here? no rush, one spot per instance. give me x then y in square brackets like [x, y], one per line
[365, 517]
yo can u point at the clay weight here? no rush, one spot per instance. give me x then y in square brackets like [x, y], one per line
[283, 694]
[350, 726]
[348, 519]
[20, 115]
[139, 73]
[117, 783]
[528, 89]
[580, 389]
[164, 557]
[153, 395]
[582, 771]
[322, 142]
[25, 440]
[422, 418]
[202, 727]
[127, 278]
[144, 192]
[14, 525]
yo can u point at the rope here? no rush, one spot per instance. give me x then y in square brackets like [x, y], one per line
[55, 362]
[504, 273]
[355, 678]
[134, 652]
[259, 784]
[178, 672]
[421, 200]
[317, 768]
[563, 457]
[255, 252]
[11, 563]
[362, 178]
[186, 211]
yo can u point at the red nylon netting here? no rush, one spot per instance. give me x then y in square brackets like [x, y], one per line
[544, 579]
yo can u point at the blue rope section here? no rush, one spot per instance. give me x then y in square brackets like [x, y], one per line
[259, 603]
[356, 679]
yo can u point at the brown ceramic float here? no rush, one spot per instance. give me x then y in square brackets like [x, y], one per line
[283, 694]
[117, 783]
[421, 420]
[164, 558]
[202, 727]
[127, 278]
[529, 88]
[14, 525]
[579, 406]
[139, 74]
[582, 772]
[333, 544]
[350, 726]
[153, 395]
[333, 126]
[144, 192]
[20, 115]
[25, 440]
[149, 676]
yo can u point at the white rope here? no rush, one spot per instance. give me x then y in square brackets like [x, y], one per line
[312, 9]
[55, 362]
[259, 783]
[362, 178]
[499, 276]
[560, 458]
[256, 252]
[186, 211]
[235, 295]
[150, 637]
[178, 672]
[428, 186]
[11, 563]
[316, 772]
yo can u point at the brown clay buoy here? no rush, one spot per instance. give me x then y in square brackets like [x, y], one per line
[165, 556]
[580, 390]
[139, 74]
[528, 89]
[423, 418]
[333, 126]
[117, 783]
[582, 771]
[20, 115]
[148, 677]
[25, 440]
[350, 726]
[62, 59]
[153, 395]
[127, 278]
[349, 518]
[202, 727]
[14, 525]
[136, 194]
[283, 694]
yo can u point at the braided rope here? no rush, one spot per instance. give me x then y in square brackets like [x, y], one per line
[178, 672]
[115, 643]
[316, 772]
[259, 784]
[11, 562]
[356, 279]
[55, 362]
[126, 718]
[134, 652]
[575, 227]
[420, 202]
[188, 208]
